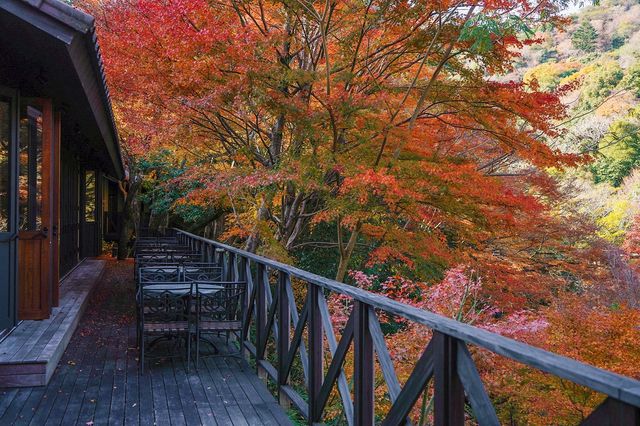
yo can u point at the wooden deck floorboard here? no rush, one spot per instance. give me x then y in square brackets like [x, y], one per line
[97, 381]
[31, 352]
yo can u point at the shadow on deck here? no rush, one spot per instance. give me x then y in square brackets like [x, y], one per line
[97, 381]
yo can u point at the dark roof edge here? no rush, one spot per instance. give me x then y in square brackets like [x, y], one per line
[85, 24]
[65, 13]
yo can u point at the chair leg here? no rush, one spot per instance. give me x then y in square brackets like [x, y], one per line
[197, 349]
[188, 349]
[142, 354]
[138, 333]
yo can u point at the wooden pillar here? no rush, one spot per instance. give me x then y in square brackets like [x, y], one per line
[449, 393]
[284, 320]
[261, 316]
[363, 366]
[232, 268]
[315, 353]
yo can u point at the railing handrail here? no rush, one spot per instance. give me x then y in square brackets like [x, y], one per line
[614, 385]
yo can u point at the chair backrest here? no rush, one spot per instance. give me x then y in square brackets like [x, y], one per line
[163, 302]
[144, 260]
[224, 306]
[185, 257]
[195, 272]
[203, 264]
[153, 257]
[159, 273]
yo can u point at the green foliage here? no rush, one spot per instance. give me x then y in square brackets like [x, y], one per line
[550, 74]
[631, 80]
[610, 224]
[617, 42]
[160, 191]
[618, 151]
[483, 29]
[549, 55]
[600, 84]
[585, 37]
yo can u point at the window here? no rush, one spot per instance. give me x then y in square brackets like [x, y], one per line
[5, 169]
[90, 196]
[30, 160]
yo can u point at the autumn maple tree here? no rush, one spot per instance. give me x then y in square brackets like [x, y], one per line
[375, 116]
[384, 122]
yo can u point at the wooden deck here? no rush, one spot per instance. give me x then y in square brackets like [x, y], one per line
[30, 354]
[98, 382]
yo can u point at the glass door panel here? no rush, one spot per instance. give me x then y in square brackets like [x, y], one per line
[5, 162]
[30, 182]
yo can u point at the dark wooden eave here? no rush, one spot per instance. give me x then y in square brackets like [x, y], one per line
[50, 49]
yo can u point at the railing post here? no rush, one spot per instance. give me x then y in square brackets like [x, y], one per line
[315, 353]
[284, 320]
[363, 366]
[245, 301]
[231, 267]
[448, 390]
[261, 318]
[223, 264]
[219, 259]
[249, 304]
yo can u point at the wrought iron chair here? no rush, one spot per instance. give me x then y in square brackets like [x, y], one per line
[150, 259]
[184, 257]
[163, 273]
[165, 312]
[167, 272]
[198, 272]
[219, 309]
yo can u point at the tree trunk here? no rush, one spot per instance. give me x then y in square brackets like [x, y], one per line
[346, 252]
[252, 242]
[127, 219]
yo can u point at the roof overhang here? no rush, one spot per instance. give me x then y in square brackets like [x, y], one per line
[50, 49]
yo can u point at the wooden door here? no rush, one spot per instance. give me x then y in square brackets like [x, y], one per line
[35, 209]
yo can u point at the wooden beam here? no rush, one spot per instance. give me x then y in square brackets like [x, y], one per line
[613, 413]
[413, 388]
[316, 356]
[448, 390]
[284, 321]
[363, 366]
[480, 402]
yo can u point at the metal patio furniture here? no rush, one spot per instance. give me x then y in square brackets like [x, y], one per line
[219, 311]
[165, 313]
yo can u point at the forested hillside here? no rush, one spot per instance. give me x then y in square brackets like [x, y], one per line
[598, 57]
[477, 159]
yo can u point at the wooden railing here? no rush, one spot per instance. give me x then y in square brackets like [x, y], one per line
[274, 334]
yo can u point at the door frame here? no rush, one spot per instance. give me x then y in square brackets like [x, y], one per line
[9, 238]
[56, 142]
[38, 284]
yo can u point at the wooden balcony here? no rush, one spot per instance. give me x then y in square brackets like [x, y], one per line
[30, 354]
[282, 325]
[97, 380]
[295, 362]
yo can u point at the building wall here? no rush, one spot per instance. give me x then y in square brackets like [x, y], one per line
[69, 210]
